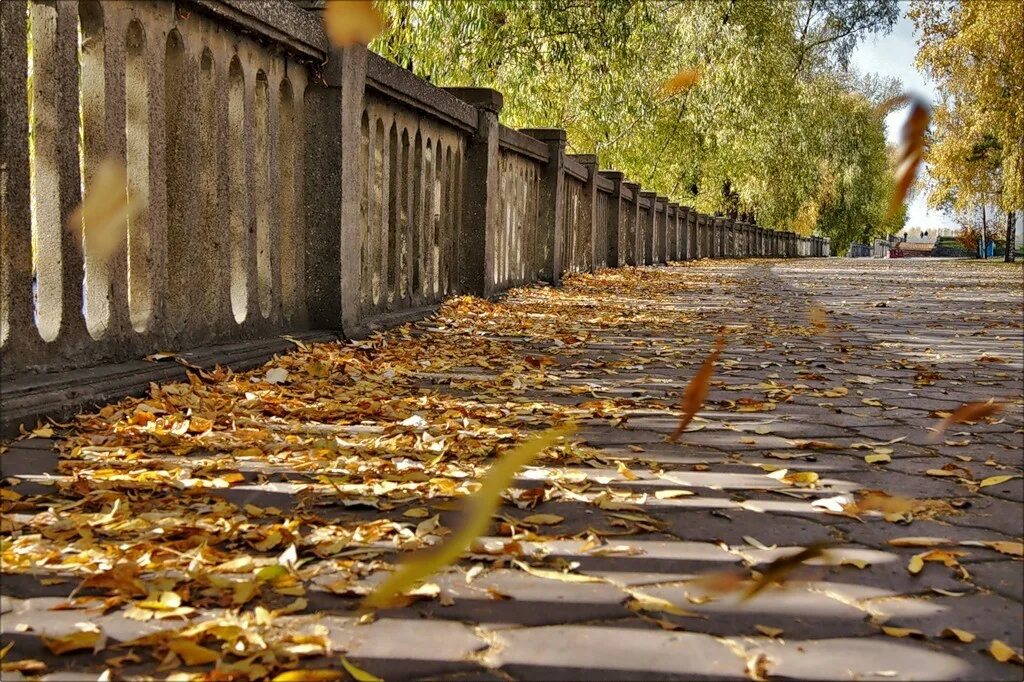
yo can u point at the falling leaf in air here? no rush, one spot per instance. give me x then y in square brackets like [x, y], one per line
[684, 80]
[911, 150]
[1004, 653]
[818, 319]
[351, 22]
[100, 222]
[777, 570]
[482, 505]
[966, 414]
[697, 390]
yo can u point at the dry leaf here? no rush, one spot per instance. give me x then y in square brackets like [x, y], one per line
[544, 519]
[1004, 653]
[641, 601]
[919, 541]
[670, 494]
[911, 152]
[697, 390]
[192, 653]
[684, 80]
[624, 471]
[954, 633]
[351, 22]
[76, 641]
[320, 675]
[818, 318]
[101, 220]
[482, 506]
[902, 632]
[557, 575]
[768, 631]
[1009, 547]
[877, 458]
[995, 480]
[966, 414]
[357, 673]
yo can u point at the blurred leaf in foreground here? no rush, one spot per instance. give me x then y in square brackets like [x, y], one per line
[480, 509]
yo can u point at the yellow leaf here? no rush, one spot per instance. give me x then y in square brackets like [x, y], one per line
[995, 480]
[558, 575]
[801, 479]
[321, 675]
[768, 630]
[624, 471]
[3, 652]
[941, 473]
[358, 674]
[919, 541]
[902, 632]
[544, 519]
[75, 641]
[274, 572]
[167, 601]
[417, 513]
[1012, 548]
[191, 653]
[872, 401]
[483, 504]
[100, 222]
[697, 390]
[954, 633]
[641, 601]
[1003, 652]
[42, 432]
[877, 458]
[669, 494]
[684, 80]
[350, 22]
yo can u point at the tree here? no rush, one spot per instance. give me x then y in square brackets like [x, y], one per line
[974, 51]
[759, 132]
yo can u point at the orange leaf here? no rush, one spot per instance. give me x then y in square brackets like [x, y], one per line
[697, 390]
[966, 413]
[351, 22]
[911, 151]
[684, 80]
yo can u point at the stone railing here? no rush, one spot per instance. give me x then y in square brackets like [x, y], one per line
[287, 187]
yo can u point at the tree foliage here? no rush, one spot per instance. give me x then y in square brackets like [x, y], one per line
[775, 127]
[974, 50]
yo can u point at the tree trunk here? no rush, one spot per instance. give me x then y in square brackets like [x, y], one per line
[1011, 233]
[984, 230]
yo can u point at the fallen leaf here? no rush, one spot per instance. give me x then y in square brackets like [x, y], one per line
[672, 493]
[768, 631]
[307, 675]
[357, 673]
[1004, 653]
[697, 390]
[902, 632]
[954, 633]
[919, 541]
[192, 653]
[818, 318]
[1009, 547]
[557, 575]
[351, 22]
[641, 601]
[277, 375]
[877, 458]
[624, 471]
[75, 641]
[544, 519]
[995, 480]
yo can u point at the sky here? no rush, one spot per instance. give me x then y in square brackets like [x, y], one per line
[893, 55]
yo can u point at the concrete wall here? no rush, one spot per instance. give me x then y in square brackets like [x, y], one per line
[286, 185]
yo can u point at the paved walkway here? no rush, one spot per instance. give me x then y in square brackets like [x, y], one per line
[288, 491]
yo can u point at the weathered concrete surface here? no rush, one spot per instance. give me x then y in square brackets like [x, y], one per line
[902, 340]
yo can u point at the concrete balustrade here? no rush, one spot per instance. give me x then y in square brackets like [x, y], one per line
[283, 184]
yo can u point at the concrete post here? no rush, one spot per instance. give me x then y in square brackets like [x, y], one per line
[616, 243]
[645, 243]
[552, 197]
[481, 219]
[334, 109]
[633, 228]
[683, 247]
[661, 229]
[598, 233]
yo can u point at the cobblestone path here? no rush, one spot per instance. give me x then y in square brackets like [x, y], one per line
[268, 503]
